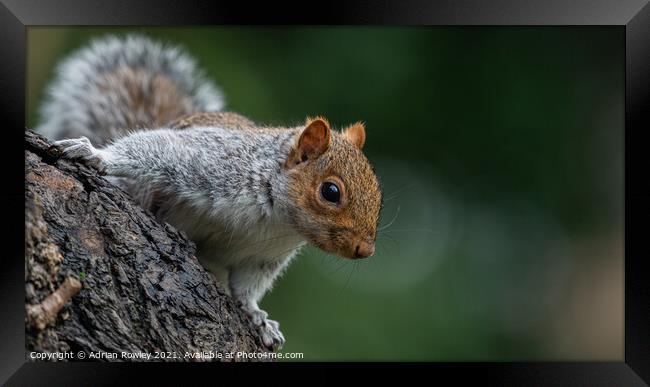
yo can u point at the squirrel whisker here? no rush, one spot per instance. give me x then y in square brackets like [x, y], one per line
[391, 222]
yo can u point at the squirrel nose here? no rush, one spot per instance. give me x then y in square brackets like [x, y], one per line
[364, 249]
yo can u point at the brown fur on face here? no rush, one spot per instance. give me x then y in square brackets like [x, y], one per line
[348, 229]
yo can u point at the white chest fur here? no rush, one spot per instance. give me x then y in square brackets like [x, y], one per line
[236, 234]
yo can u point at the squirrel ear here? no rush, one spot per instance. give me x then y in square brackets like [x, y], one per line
[313, 142]
[356, 134]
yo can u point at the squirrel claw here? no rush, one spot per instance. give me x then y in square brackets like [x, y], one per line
[271, 335]
[80, 148]
[269, 329]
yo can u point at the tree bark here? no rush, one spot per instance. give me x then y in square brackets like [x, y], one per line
[102, 276]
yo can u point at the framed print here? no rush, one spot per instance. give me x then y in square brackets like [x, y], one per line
[452, 188]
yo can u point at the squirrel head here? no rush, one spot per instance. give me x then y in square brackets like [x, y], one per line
[336, 197]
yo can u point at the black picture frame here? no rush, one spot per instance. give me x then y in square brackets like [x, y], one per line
[632, 15]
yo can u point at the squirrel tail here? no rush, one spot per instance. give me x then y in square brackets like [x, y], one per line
[118, 84]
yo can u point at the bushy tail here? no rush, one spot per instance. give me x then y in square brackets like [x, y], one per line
[118, 84]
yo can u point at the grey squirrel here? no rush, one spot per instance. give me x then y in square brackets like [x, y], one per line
[250, 196]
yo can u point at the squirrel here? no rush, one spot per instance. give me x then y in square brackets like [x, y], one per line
[248, 195]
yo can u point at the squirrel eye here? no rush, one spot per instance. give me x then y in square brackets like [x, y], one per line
[330, 192]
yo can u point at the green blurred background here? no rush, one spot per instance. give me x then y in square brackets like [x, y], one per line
[500, 150]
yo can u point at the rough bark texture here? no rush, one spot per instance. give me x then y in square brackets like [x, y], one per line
[142, 289]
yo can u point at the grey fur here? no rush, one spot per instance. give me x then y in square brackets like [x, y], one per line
[76, 105]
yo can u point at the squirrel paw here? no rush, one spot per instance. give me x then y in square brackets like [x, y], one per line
[81, 148]
[268, 329]
[271, 335]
